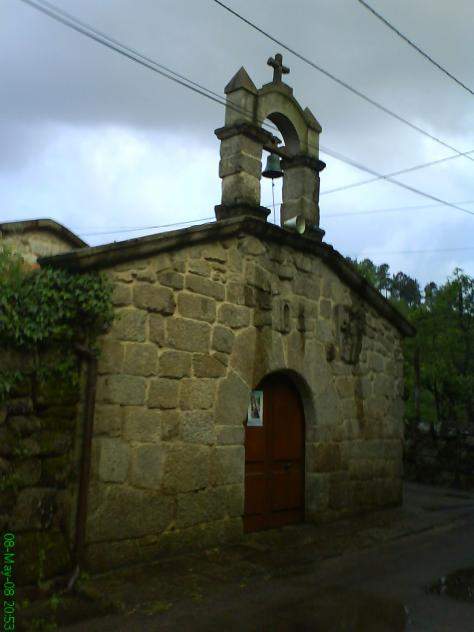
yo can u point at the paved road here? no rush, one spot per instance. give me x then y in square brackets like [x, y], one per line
[374, 589]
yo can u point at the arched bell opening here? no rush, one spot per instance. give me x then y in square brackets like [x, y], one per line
[272, 173]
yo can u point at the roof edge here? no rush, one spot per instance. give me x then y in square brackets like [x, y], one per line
[44, 224]
[98, 257]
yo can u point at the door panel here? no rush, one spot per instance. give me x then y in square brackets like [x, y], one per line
[274, 459]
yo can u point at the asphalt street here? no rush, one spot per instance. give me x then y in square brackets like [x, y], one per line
[376, 588]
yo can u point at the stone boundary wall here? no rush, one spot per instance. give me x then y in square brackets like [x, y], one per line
[33, 244]
[196, 330]
[38, 468]
[447, 461]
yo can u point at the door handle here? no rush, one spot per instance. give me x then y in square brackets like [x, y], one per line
[286, 466]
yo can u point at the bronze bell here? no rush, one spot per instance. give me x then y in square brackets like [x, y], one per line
[273, 167]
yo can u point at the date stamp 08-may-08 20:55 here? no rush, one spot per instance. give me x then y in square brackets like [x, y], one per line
[8, 588]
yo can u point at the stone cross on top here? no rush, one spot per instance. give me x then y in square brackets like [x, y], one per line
[278, 68]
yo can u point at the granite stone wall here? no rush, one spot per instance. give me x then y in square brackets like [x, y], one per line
[33, 244]
[196, 331]
[38, 474]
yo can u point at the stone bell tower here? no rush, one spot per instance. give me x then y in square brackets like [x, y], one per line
[243, 138]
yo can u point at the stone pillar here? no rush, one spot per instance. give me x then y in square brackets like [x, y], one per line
[240, 168]
[301, 189]
[242, 141]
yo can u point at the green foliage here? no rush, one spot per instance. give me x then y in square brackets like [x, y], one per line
[45, 312]
[439, 361]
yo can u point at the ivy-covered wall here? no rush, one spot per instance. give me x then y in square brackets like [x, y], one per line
[38, 472]
[46, 315]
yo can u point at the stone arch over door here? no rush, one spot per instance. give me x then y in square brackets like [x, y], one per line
[275, 455]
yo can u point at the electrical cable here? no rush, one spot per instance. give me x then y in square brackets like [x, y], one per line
[126, 229]
[70, 21]
[339, 81]
[388, 175]
[413, 45]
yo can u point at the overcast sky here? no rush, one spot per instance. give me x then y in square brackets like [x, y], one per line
[99, 143]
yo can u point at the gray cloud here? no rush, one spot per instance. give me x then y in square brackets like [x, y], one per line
[58, 88]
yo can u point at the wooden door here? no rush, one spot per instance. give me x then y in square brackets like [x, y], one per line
[274, 459]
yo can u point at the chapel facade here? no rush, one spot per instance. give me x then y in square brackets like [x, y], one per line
[252, 378]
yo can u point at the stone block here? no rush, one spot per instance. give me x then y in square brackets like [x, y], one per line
[326, 457]
[174, 364]
[163, 393]
[234, 316]
[170, 278]
[317, 492]
[252, 246]
[215, 252]
[188, 335]
[325, 308]
[157, 329]
[230, 435]
[154, 298]
[240, 294]
[286, 272]
[121, 294]
[108, 419]
[114, 458]
[129, 324]
[232, 400]
[28, 471]
[200, 267]
[239, 163]
[121, 389]
[146, 274]
[170, 425]
[196, 393]
[209, 505]
[36, 508]
[307, 286]
[147, 466]
[140, 359]
[258, 277]
[201, 285]
[302, 262]
[243, 355]
[197, 307]
[205, 365]
[141, 424]
[50, 442]
[197, 426]
[127, 512]
[227, 465]
[376, 362]
[263, 319]
[186, 467]
[111, 356]
[344, 386]
[222, 339]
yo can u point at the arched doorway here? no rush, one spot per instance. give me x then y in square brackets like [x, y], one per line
[274, 458]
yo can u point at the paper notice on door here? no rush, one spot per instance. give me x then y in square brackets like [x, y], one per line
[255, 411]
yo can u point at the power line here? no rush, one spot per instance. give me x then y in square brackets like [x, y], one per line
[71, 22]
[384, 252]
[394, 173]
[140, 228]
[413, 45]
[379, 176]
[412, 252]
[339, 81]
[127, 229]
[89, 31]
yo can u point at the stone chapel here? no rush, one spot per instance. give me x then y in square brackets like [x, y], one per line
[252, 378]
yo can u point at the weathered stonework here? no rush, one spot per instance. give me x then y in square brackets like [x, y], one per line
[177, 369]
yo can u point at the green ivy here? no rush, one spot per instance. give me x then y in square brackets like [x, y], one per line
[45, 312]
